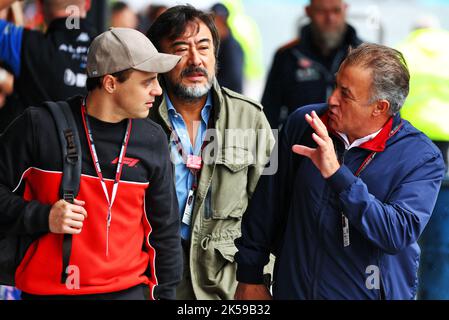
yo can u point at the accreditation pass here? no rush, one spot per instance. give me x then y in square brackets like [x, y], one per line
[345, 223]
[187, 215]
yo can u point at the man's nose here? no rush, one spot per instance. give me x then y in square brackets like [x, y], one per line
[334, 99]
[194, 58]
[157, 90]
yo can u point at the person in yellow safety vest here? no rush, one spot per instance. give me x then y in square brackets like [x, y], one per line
[247, 33]
[427, 106]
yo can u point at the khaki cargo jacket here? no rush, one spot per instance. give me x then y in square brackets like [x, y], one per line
[233, 162]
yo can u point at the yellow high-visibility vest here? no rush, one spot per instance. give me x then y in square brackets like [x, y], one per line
[246, 32]
[427, 106]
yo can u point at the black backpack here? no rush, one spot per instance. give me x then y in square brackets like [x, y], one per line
[13, 248]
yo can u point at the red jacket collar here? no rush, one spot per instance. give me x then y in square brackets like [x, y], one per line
[377, 144]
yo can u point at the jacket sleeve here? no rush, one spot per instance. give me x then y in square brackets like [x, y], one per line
[18, 216]
[272, 95]
[11, 45]
[263, 222]
[264, 146]
[163, 240]
[396, 224]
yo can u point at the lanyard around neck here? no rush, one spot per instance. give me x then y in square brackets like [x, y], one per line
[185, 155]
[373, 154]
[118, 173]
[366, 162]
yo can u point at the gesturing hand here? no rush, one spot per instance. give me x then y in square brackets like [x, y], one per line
[66, 218]
[323, 157]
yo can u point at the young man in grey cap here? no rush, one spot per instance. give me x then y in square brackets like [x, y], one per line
[124, 222]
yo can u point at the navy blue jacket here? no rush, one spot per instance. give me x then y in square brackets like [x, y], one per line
[301, 75]
[297, 214]
[230, 64]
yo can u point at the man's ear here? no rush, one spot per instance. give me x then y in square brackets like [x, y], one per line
[109, 83]
[382, 107]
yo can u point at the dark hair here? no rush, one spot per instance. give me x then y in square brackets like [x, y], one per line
[97, 82]
[173, 22]
[220, 9]
[389, 71]
[154, 11]
[118, 6]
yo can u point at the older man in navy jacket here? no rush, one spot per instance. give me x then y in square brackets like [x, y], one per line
[355, 188]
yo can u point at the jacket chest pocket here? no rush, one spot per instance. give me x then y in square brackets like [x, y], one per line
[229, 197]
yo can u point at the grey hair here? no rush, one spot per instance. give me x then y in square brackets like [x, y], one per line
[390, 75]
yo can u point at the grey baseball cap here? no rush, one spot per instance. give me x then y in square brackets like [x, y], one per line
[119, 49]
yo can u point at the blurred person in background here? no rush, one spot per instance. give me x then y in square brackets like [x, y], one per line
[230, 56]
[246, 31]
[50, 66]
[152, 12]
[303, 71]
[427, 107]
[9, 108]
[123, 16]
[6, 86]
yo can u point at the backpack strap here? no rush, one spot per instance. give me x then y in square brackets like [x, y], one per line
[71, 165]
